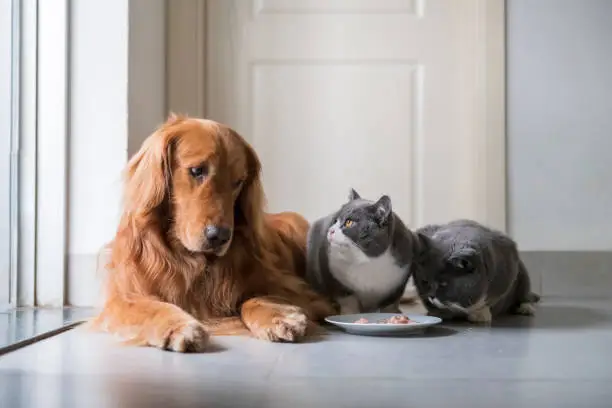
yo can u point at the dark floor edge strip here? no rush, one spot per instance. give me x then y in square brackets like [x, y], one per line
[35, 339]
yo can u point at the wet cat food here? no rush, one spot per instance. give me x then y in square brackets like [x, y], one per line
[399, 319]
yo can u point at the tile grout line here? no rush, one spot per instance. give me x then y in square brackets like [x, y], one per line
[40, 337]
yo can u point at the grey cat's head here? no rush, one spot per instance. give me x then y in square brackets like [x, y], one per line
[363, 225]
[454, 271]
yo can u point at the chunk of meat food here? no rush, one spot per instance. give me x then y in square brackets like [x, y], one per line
[398, 319]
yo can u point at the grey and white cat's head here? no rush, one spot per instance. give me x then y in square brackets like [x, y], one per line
[362, 229]
[454, 274]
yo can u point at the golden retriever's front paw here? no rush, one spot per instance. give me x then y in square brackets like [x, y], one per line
[289, 324]
[185, 338]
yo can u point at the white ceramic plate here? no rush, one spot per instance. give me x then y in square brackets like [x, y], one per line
[347, 323]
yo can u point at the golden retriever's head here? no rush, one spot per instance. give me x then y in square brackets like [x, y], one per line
[199, 180]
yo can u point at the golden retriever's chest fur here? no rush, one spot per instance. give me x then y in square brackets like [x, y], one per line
[217, 288]
[213, 294]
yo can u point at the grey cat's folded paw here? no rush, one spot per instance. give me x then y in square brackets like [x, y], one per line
[525, 309]
[481, 316]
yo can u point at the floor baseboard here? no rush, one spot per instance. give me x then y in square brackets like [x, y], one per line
[576, 274]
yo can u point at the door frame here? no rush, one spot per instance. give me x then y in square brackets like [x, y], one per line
[484, 24]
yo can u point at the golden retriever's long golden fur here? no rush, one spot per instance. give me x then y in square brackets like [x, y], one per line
[195, 254]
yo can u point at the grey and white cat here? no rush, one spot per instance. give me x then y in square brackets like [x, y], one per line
[474, 272]
[361, 256]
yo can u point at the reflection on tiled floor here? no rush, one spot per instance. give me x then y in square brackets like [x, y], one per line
[559, 359]
[22, 324]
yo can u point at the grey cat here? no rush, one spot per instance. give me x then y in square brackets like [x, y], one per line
[361, 256]
[474, 272]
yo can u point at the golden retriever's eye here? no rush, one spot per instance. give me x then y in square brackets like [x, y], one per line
[348, 223]
[198, 172]
[237, 184]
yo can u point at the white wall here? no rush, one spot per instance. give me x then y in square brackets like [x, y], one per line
[116, 98]
[98, 120]
[559, 65]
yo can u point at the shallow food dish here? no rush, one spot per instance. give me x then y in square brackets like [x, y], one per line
[349, 323]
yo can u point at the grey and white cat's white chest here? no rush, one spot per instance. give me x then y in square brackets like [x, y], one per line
[371, 279]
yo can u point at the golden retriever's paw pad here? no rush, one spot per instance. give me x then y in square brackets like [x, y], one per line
[187, 338]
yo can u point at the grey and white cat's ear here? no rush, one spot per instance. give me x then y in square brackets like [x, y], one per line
[353, 195]
[383, 208]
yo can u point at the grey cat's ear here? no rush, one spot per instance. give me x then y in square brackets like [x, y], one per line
[429, 230]
[353, 195]
[424, 242]
[383, 208]
[424, 247]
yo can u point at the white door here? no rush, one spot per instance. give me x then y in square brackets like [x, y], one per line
[385, 96]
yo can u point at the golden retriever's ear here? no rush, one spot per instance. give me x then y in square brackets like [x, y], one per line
[252, 200]
[148, 173]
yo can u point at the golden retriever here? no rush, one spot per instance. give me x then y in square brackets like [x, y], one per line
[195, 254]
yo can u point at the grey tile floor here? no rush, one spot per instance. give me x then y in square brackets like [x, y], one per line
[561, 358]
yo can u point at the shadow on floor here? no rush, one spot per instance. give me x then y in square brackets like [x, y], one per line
[548, 317]
[559, 317]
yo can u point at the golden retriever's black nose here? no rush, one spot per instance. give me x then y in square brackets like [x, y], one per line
[217, 236]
